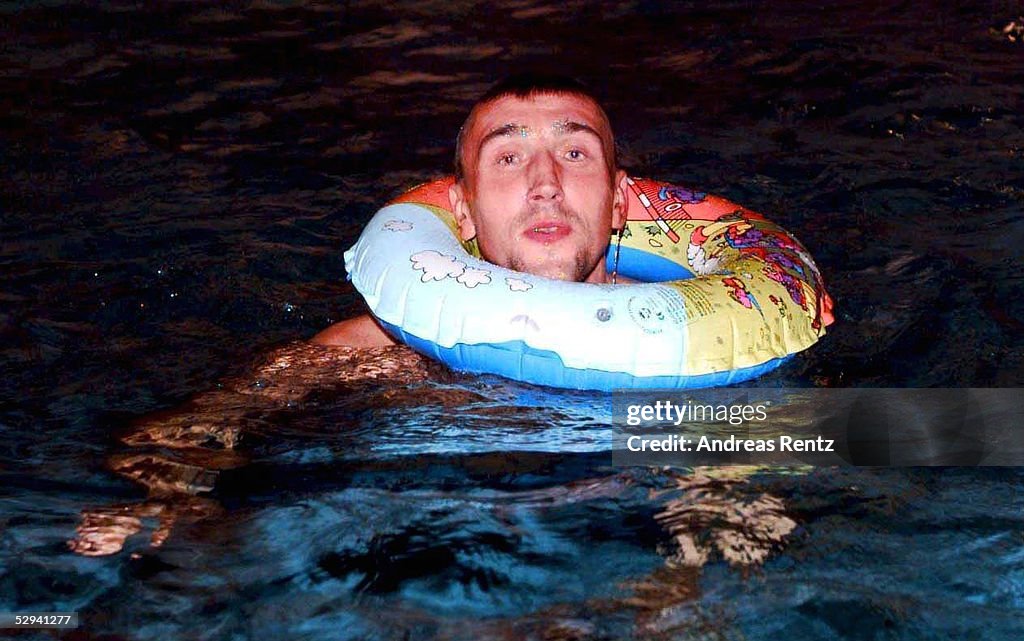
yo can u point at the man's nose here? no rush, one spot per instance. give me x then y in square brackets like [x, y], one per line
[545, 179]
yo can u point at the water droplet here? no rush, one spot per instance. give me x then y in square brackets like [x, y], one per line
[604, 314]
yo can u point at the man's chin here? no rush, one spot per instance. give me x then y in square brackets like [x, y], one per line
[568, 269]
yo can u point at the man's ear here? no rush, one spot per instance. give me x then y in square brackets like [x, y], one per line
[460, 207]
[620, 203]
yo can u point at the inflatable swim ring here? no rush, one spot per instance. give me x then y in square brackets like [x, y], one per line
[728, 296]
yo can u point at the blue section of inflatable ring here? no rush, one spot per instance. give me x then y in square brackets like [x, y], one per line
[645, 267]
[517, 360]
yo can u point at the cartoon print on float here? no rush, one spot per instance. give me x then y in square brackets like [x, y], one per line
[701, 262]
[682, 195]
[739, 293]
[664, 204]
[773, 249]
[518, 285]
[437, 266]
[678, 213]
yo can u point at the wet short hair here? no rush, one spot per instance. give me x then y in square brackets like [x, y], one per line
[523, 86]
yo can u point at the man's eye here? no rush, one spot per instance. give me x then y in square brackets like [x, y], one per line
[575, 154]
[507, 159]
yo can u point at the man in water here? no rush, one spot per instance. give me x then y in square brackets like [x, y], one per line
[537, 186]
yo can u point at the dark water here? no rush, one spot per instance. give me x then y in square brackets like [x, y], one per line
[179, 180]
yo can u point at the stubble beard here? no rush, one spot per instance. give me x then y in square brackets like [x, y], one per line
[575, 268]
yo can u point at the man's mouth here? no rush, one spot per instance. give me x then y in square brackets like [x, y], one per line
[547, 231]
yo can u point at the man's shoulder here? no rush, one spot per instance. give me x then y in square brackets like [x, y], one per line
[360, 331]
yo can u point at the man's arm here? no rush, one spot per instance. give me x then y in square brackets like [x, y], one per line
[361, 331]
[179, 454]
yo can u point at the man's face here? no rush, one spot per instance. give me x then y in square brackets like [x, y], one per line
[539, 191]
